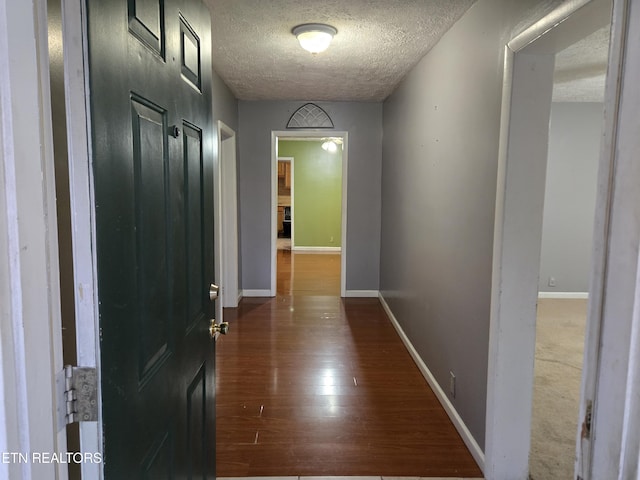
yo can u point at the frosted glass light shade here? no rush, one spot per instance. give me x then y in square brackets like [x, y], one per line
[330, 146]
[314, 37]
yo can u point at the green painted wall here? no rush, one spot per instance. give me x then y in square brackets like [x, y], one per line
[317, 191]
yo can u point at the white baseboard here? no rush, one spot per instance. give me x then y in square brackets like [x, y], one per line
[256, 293]
[462, 429]
[362, 293]
[317, 249]
[584, 295]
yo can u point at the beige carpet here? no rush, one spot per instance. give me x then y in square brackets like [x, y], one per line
[558, 365]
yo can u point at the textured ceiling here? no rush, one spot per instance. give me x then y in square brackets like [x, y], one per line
[580, 69]
[378, 42]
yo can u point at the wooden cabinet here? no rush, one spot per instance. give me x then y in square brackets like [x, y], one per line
[284, 178]
[284, 172]
[287, 174]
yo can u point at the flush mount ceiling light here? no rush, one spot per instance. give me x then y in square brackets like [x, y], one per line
[314, 37]
[331, 144]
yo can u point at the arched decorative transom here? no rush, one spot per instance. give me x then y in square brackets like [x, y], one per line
[310, 115]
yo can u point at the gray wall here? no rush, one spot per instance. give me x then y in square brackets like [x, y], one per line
[363, 122]
[225, 109]
[225, 105]
[575, 132]
[440, 156]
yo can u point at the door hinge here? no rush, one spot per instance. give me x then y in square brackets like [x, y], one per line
[586, 425]
[80, 394]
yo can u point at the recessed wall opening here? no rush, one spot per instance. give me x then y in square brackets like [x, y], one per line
[575, 128]
[530, 60]
[227, 264]
[308, 202]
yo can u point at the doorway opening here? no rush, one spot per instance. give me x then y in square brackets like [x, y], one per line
[285, 204]
[227, 220]
[309, 201]
[575, 129]
[527, 97]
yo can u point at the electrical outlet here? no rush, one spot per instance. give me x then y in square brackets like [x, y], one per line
[552, 281]
[452, 384]
[331, 239]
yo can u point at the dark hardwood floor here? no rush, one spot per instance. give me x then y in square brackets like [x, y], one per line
[312, 384]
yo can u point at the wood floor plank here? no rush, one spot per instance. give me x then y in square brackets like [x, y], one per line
[312, 384]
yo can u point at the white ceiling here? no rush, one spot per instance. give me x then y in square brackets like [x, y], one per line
[580, 69]
[378, 42]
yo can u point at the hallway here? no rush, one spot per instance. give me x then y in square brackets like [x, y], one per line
[311, 384]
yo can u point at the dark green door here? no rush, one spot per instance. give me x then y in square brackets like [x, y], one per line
[150, 81]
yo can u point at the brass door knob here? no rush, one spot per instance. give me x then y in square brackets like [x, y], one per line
[222, 328]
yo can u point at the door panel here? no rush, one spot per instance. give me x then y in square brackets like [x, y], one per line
[146, 21]
[150, 159]
[158, 464]
[190, 53]
[196, 424]
[194, 239]
[150, 81]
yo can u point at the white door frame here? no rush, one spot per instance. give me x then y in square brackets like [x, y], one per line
[312, 134]
[292, 211]
[30, 318]
[527, 88]
[612, 382]
[81, 199]
[226, 220]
